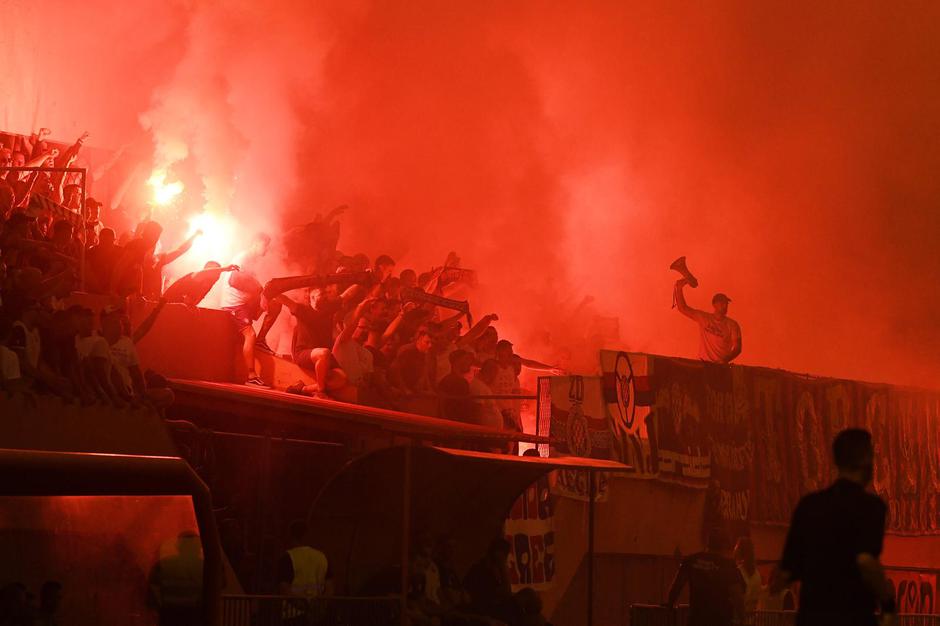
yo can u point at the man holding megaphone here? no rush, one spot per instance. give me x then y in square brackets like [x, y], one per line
[720, 335]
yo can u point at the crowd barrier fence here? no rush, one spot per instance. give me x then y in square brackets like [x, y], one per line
[654, 615]
[275, 610]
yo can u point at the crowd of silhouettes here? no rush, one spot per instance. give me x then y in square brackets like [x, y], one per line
[364, 330]
[369, 332]
[19, 607]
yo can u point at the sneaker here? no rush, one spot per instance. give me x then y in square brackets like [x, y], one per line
[262, 346]
[256, 381]
[297, 388]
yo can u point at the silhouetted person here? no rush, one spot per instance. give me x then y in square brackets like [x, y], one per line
[302, 572]
[457, 404]
[716, 590]
[50, 598]
[747, 564]
[487, 582]
[176, 583]
[14, 606]
[193, 287]
[834, 542]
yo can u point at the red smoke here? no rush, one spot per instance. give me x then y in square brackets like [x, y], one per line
[563, 150]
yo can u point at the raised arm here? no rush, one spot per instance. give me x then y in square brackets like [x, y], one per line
[352, 323]
[42, 158]
[23, 201]
[169, 257]
[392, 327]
[532, 364]
[335, 213]
[477, 330]
[30, 144]
[149, 321]
[66, 159]
[452, 320]
[681, 304]
[350, 295]
[215, 272]
[291, 304]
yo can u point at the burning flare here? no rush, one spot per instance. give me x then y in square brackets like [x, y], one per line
[163, 192]
[218, 238]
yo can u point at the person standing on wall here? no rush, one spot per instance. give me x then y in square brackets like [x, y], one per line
[834, 544]
[720, 335]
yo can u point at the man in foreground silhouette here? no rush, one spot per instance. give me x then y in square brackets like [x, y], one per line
[834, 543]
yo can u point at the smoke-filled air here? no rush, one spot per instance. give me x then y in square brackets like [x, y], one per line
[568, 152]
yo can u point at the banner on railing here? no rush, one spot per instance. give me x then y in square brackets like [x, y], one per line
[756, 438]
[915, 592]
[530, 532]
[579, 427]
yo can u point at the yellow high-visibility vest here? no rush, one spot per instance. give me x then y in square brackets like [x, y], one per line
[309, 571]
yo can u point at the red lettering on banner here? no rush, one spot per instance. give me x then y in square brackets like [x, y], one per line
[915, 592]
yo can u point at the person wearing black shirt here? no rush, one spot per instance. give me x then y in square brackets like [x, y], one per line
[456, 403]
[312, 344]
[834, 543]
[716, 589]
[487, 582]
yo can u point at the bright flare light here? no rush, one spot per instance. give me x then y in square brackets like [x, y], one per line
[164, 192]
[217, 241]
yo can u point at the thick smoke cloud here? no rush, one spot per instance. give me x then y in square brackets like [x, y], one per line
[564, 150]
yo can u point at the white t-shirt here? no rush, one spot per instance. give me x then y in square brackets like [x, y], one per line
[355, 359]
[718, 336]
[488, 413]
[93, 346]
[9, 364]
[32, 346]
[124, 357]
[248, 264]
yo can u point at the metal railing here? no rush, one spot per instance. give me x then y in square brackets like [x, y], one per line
[654, 615]
[273, 610]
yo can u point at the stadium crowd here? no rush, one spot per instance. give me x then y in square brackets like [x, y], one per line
[363, 330]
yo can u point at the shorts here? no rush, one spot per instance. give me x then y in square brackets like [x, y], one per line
[245, 314]
[307, 359]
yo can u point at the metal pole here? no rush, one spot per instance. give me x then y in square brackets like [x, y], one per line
[264, 501]
[83, 232]
[405, 533]
[590, 554]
